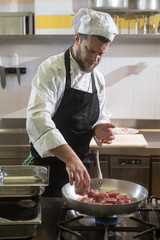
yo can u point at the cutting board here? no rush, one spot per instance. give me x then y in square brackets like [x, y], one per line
[135, 140]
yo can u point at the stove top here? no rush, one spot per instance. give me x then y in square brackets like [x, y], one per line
[141, 225]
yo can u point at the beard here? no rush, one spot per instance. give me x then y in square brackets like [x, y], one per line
[81, 62]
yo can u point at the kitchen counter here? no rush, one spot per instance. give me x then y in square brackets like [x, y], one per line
[153, 149]
[150, 130]
[14, 142]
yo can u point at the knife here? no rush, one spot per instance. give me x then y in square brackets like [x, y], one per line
[18, 75]
[3, 77]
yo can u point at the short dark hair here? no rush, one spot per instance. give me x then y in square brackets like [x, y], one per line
[85, 36]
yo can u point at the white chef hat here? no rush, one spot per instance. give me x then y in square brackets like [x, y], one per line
[88, 21]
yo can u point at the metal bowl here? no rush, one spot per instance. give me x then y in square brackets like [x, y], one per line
[147, 5]
[108, 4]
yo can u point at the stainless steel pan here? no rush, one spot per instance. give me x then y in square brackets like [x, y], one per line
[136, 192]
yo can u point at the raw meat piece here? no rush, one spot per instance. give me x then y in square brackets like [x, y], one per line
[108, 198]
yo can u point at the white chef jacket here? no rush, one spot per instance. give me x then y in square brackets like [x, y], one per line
[47, 91]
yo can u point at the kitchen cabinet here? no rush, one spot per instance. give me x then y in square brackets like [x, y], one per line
[155, 175]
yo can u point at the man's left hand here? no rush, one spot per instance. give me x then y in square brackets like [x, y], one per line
[104, 133]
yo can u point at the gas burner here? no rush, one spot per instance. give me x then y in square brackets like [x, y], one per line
[141, 225]
[111, 221]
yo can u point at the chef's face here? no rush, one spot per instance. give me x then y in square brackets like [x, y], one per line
[89, 52]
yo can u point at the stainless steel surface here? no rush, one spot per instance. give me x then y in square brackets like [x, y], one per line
[137, 123]
[22, 181]
[13, 132]
[131, 168]
[20, 229]
[12, 137]
[136, 192]
[147, 5]
[104, 164]
[14, 141]
[16, 23]
[13, 154]
[155, 169]
[97, 162]
[108, 4]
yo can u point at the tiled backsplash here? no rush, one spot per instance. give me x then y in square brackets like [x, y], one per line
[131, 69]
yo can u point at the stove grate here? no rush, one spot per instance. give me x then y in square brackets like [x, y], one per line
[143, 225]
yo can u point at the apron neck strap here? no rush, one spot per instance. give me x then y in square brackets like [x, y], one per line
[67, 66]
[68, 75]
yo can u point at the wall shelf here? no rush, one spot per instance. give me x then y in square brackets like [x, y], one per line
[129, 12]
[41, 37]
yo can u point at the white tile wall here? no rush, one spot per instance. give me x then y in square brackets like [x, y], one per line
[157, 111]
[131, 69]
[53, 7]
[157, 93]
[133, 79]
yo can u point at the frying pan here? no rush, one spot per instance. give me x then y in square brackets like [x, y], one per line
[136, 192]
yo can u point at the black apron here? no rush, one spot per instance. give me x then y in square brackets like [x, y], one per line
[74, 118]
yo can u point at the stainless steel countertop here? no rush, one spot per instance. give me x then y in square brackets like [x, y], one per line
[15, 139]
[150, 130]
[152, 138]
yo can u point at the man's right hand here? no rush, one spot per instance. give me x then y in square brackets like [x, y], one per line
[75, 168]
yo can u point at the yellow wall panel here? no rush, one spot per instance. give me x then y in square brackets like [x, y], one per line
[53, 21]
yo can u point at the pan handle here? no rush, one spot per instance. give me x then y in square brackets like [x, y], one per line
[97, 163]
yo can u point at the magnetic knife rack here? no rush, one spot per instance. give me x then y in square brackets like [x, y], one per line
[10, 70]
[13, 70]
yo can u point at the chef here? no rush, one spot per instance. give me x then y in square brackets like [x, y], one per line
[67, 104]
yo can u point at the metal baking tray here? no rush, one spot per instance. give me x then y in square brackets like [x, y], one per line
[23, 181]
[20, 229]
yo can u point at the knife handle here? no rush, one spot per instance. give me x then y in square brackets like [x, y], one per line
[97, 164]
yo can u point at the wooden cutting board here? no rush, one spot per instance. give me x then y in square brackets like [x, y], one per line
[135, 140]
